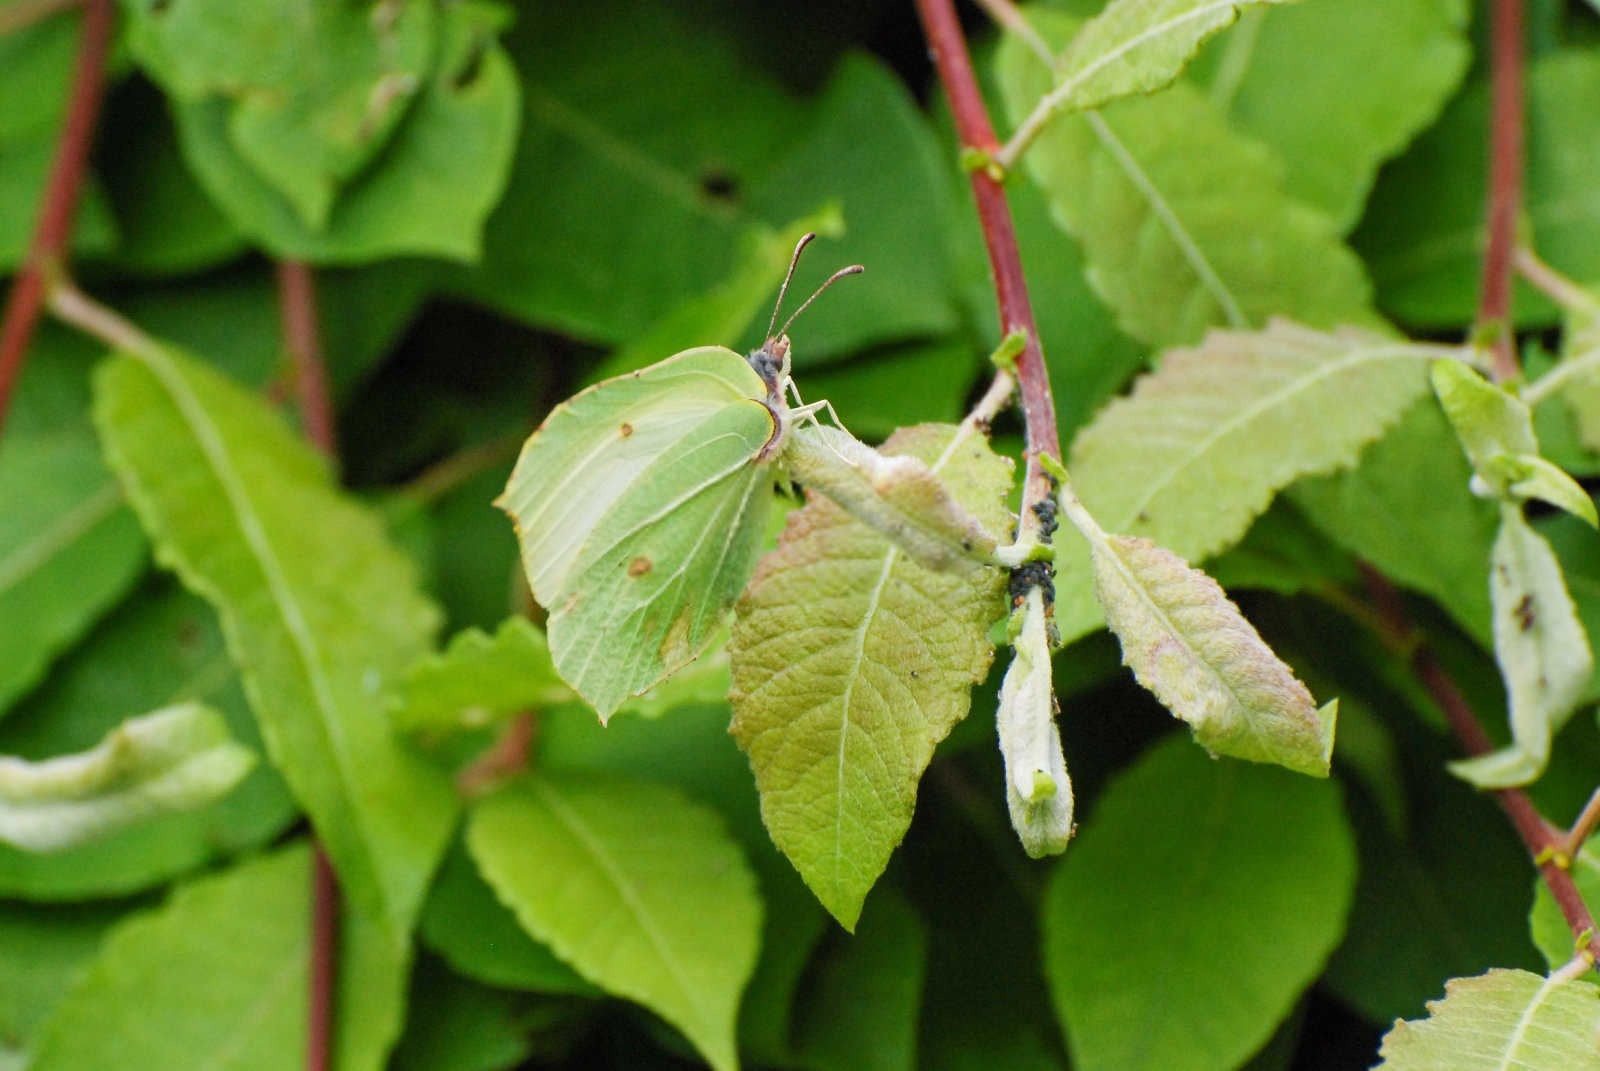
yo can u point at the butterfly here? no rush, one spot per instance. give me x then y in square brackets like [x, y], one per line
[640, 506]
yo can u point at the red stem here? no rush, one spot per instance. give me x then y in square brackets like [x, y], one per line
[949, 48]
[1542, 842]
[297, 305]
[324, 962]
[1505, 184]
[47, 253]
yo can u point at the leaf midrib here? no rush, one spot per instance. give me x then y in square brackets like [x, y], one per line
[303, 641]
[1076, 81]
[67, 528]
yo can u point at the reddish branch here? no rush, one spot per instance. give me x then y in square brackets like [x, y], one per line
[1545, 845]
[297, 307]
[949, 48]
[47, 252]
[1505, 183]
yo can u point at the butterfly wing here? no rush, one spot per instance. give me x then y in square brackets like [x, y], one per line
[636, 504]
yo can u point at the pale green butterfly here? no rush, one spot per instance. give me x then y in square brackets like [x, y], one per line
[641, 504]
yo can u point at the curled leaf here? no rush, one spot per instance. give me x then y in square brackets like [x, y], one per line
[897, 494]
[1542, 650]
[174, 759]
[1038, 790]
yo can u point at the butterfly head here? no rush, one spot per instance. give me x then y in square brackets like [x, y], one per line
[771, 361]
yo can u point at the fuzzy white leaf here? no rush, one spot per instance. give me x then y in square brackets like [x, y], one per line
[1038, 790]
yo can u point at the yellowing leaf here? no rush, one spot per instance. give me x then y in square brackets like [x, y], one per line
[640, 890]
[319, 610]
[170, 760]
[1505, 1020]
[1203, 443]
[850, 662]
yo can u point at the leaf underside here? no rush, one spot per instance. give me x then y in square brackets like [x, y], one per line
[1505, 1020]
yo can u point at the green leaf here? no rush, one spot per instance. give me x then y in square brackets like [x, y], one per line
[1541, 648]
[1545, 921]
[861, 1011]
[898, 386]
[1136, 46]
[1336, 88]
[1038, 790]
[1501, 1021]
[850, 663]
[1184, 223]
[1581, 343]
[1187, 642]
[159, 648]
[1486, 419]
[682, 915]
[46, 947]
[442, 169]
[456, 1025]
[1424, 238]
[639, 504]
[319, 610]
[310, 99]
[479, 679]
[1233, 878]
[217, 976]
[178, 758]
[1202, 444]
[1371, 511]
[895, 495]
[480, 937]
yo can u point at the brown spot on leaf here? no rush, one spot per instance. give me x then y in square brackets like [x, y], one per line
[626, 429]
[640, 566]
[1524, 613]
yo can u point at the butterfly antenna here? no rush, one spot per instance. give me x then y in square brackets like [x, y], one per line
[854, 269]
[799, 247]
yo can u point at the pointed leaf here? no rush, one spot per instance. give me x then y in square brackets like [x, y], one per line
[320, 611]
[898, 496]
[1337, 88]
[175, 759]
[1200, 899]
[850, 663]
[218, 977]
[1137, 46]
[1188, 643]
[479, 679]
[1529, 476]
[1038, 790]
[681, 914]
[1488, 421]
[1505, 1020]
[1202, 444]
[1184, 223]
[1542, 650]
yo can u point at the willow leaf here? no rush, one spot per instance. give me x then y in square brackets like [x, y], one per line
[682, 918]
[1201, 445]
[1542, 650]
[1137, 46]
[1185, 224]
[319, 610]
[169, 760]
[850, 662]
[1505, 1020]
[1188, 643]
[218, 977]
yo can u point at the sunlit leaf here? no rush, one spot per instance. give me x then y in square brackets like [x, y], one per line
[1542, 650]
[174, 759]
[682, 916]
[1232, 877]
[1185, 224]
[478, 679]
[1501, 1021]
[218, 976]
[320, 611]
[850, 663]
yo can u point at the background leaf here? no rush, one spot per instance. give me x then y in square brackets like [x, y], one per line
[850, 662]
[46, 948]
[218, 975]
[320, 615]
[1509, 1020]
[683, 909]
[1233, 878]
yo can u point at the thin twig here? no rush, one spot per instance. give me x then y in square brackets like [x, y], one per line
[324, 962]
[1554, 285]
[1505, 184]
[949, 47]
[47, 252]
[23, 13]
[80, 310]
[1009, 16]
[297, 308]
[1571, 368]
[1542, 842]
[505, 758]
[1582, 826]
